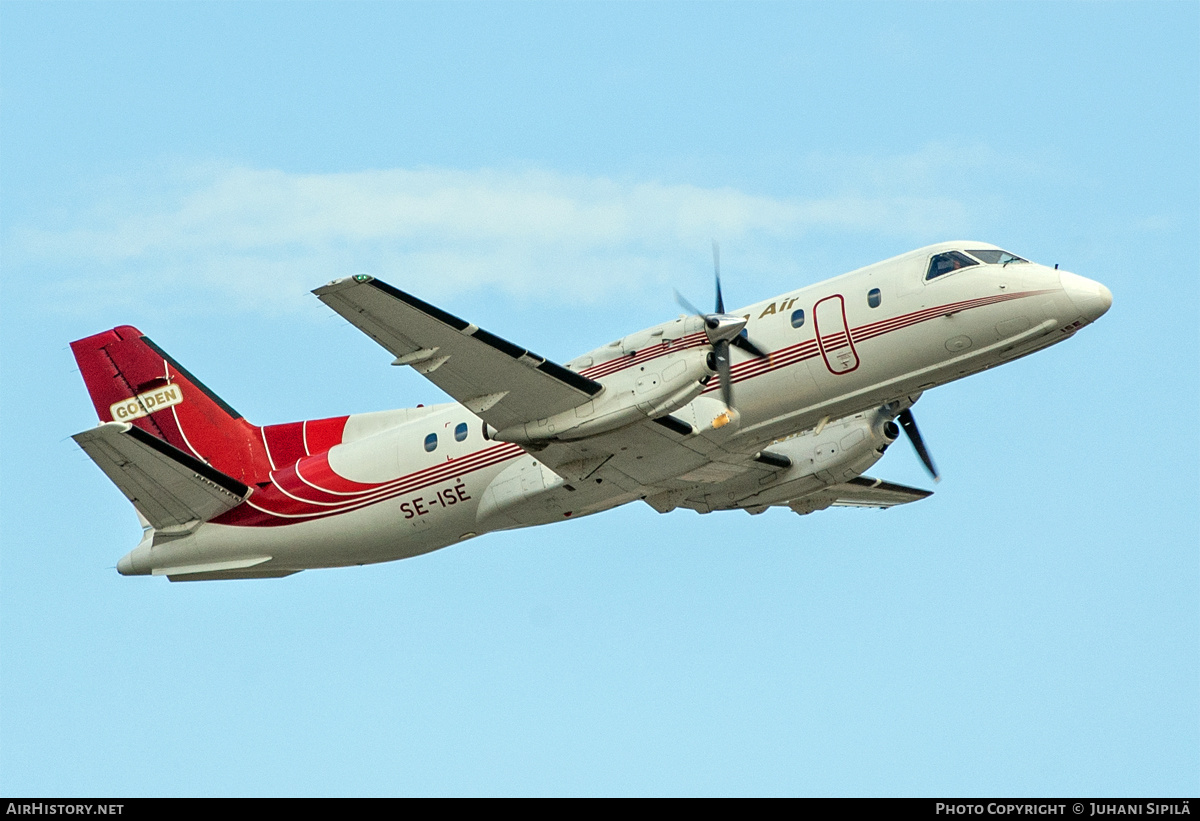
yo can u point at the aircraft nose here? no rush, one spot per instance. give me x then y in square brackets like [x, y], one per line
[1091, 298]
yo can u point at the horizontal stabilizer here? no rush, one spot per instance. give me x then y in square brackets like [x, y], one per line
[502, 383]
[224, 575]
[862, 491]
[171, 489]
[233, 569]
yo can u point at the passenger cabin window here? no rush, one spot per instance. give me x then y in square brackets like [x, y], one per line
[431, 443]
[994, 256]
[460, 431]
[948, 263]
[797, 318]
[874, 297]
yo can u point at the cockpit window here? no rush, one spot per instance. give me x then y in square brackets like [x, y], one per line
[994, 256]
[948, 263]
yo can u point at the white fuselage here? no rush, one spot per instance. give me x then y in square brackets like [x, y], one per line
[866, 345]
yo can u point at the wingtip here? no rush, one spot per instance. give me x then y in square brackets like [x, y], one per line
[343, 282]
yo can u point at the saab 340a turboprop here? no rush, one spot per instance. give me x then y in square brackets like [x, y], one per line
[821, 376]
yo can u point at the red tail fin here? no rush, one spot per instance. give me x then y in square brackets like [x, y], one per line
[131, 379]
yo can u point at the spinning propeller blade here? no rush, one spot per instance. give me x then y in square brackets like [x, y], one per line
[749, 347]
[721, 352]
[720, 329]
[909, 424]
[687, 306]
[717, 276]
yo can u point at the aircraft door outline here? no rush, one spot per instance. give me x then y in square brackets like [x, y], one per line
[833, 335]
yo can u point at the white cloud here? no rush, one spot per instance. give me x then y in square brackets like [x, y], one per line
[262, 237]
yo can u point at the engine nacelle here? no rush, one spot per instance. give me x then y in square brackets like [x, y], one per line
[648, 391]
[839, 451]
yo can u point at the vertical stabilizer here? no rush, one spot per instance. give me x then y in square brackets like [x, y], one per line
[130, 379]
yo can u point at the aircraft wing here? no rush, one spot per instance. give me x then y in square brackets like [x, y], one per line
[502, 383]
[862, 491]
[170, 488]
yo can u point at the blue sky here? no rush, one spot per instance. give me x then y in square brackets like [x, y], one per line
[552, 172]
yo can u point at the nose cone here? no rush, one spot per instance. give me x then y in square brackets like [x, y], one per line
[1091, 298]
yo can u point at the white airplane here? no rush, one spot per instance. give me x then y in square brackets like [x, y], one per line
[821, 376]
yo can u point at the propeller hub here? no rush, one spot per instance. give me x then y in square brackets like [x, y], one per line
[720, 327]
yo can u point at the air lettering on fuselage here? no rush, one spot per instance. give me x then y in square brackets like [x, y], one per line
[780, 306]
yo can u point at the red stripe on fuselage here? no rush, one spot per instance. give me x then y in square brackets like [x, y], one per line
[746, 370]
[273, 506]
[646, 354]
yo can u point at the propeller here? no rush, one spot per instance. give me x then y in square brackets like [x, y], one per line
[722, 330]
[909, 424]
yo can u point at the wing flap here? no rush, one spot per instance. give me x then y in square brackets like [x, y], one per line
[502, 383]
[862, 491]
[170, 488]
